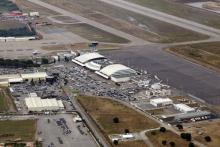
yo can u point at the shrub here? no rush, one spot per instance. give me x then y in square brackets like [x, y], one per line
[208, 139]
[164, 142]
[127, 131]
[162, 129]
[115, 142]
[191, 144]
[172, 144]
[115, 120]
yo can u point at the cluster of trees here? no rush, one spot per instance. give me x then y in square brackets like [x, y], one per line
[17, 63]
[17, 32]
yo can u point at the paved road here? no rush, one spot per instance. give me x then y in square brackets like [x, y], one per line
[179, 73]
[134, 40]
[165, 17]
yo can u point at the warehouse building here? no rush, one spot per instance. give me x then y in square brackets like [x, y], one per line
[117, 72]
[160, 102]
[6, 80]
[35, 76]
[184, 108]
[87, 57]
[35, 103]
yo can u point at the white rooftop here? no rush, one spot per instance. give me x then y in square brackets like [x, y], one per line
[117, 69]
[89, 57]
[161, 100]
[184, 107]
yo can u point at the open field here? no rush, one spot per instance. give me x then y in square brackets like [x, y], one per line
[79, 46]
[168, 136]
[129, 119]
[22, 129]
[132, 144]
[12, 24]
[103, 111]
[26, 6]
[6, 103]
[94, 34]
[7, 5]
[207, 54]
[135, 24]
[180, 10]
[202, 129]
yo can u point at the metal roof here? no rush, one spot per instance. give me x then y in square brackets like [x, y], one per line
[89, 57]
[117, 70]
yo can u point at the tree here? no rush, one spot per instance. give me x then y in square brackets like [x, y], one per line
[191, 144]
[186, 136]
[153, 133]
[172, 144]
[115, 120]
[208, 139]
[32, 82]
[164, 142]
[162, 129]
[44, 61]
[115, 142]
[127, 131]
[179, 126]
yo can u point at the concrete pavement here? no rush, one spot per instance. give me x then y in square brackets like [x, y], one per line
[187, 24]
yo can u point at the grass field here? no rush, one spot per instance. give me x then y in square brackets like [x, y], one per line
[26, 6]
[202, 129]
[104, 110]
[80, 46]
[138, 143]
[7, 5]
[91, 33]
[127, 21]
[6, 25]
[204, 53]
[23, 129]
[180, 10]
[6, 103]
[168, 136]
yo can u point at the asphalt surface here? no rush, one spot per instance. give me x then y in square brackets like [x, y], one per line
[177, 72]
[134, 40]
[191, 25]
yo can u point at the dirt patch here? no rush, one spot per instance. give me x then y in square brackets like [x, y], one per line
[6, 102]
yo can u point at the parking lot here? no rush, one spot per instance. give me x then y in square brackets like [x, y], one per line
[61, 131]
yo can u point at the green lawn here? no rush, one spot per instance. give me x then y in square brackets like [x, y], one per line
[23, 129]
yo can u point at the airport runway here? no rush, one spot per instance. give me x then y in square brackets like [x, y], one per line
[184, 23]
[134, 40]
[177, 72]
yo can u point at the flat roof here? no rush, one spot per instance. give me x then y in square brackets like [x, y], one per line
[184, 107]
[160, 100]
[34, 75]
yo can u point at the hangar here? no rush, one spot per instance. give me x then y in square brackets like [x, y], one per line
[87, 57]
[35, 103]
[117, 72]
